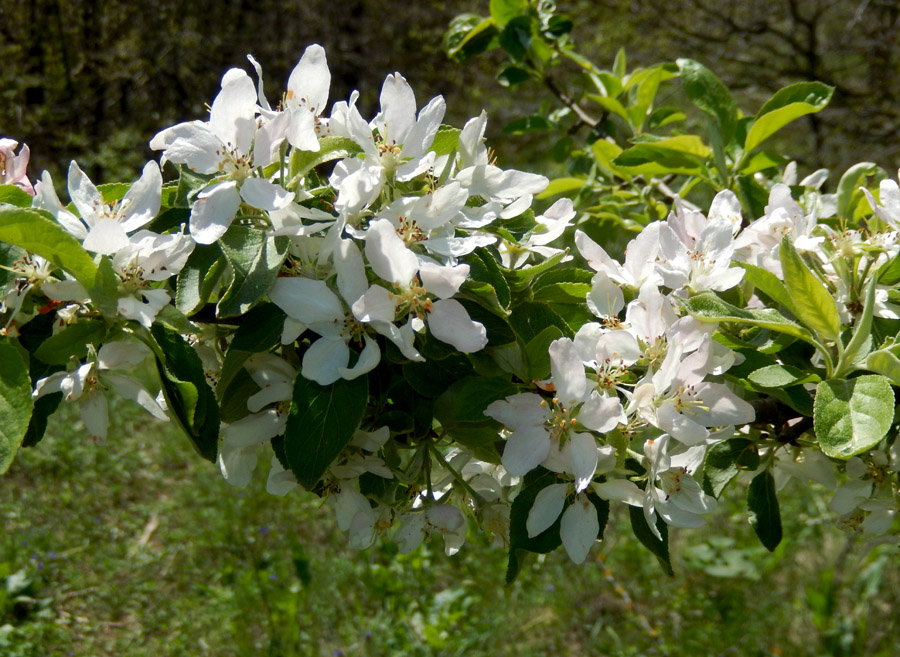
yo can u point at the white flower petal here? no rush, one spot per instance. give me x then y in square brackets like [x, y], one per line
[265, 195]
[525, 449]
[547, 506]
[214, 211]
[579, 528]
[449, 322]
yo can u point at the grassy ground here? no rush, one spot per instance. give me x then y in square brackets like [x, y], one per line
[137, 548]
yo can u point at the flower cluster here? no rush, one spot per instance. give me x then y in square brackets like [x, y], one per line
[376, 304]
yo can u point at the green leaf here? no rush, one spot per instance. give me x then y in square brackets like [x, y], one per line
[605, 152]
[724, 459]
[260, 330]
[781, 376]
[519, 278]
[187, 393]
[515, 38]
[446, 140]
[562, 275]
[15, 195]
[660, 548]
[683, 154]
[762, 160]
[754, 196]
[619, 64]
[563, 293]
[321, 423]
[71, 342]
[861, 341]
[512, 75]
[763, 506]
[198, 277]
[851, 416]
[787, 105]
[708, 307]
[255, 259]
[561, 186]
[503, 11]
[538, 354]
[527, 124]
[483, 267]
[707, 92]
[15, 400]
[810, 300]
[330, 148]
[848, 191]
[613, 106]
[33, 231]
[8, 256]
[529, 318]
[888, 275]
[469, 35]
[767, 283]
[886, 363]
[466, 399]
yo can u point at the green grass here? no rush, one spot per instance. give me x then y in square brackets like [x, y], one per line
[138, 548]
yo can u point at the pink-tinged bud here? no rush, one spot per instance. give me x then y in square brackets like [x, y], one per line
[12, 166]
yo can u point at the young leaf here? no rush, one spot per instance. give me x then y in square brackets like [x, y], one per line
[785, 106]
[851, 416]
[321, 423]
[15, 195]
[861, 342]
[15, 400]
[886, 363]
[708, 307]
[811, 301]
[255, 260]
[198, 277]
[765, 516]
[848, 192]
[330, 148]
[708, 93]
[780, 376]
[767, 283]
[503, 11]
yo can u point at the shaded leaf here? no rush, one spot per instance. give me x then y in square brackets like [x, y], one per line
[321, 423]
[765, 516]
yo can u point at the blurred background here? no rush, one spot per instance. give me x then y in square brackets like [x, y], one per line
[138, 547]
[94, 80]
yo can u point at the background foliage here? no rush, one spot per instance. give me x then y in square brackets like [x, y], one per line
[88, 80]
